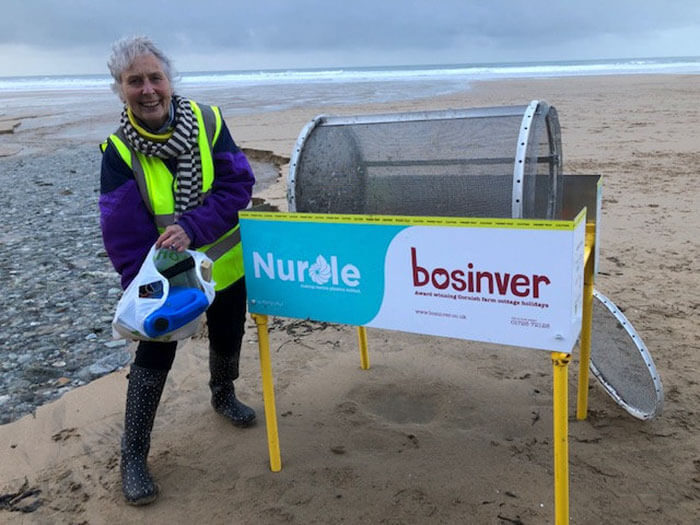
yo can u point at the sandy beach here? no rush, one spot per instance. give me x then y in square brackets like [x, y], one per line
[437, 430]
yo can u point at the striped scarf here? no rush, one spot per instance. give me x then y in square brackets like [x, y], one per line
[182, 144]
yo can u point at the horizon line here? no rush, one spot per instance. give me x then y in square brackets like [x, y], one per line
[379, 67]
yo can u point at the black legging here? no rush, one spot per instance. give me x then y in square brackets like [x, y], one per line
[225, 323]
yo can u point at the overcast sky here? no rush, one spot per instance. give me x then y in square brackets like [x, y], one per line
[74, 36]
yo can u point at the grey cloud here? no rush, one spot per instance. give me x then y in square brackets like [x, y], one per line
[312, 25]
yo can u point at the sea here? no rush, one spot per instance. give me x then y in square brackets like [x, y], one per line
[454, 76]
[245, 91]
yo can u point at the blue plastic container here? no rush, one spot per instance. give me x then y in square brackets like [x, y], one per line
[181, 306]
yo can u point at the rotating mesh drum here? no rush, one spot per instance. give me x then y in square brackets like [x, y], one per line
[486, 162]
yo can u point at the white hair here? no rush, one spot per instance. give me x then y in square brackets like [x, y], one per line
[125, 50]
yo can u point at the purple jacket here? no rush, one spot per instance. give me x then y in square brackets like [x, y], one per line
[129, 230]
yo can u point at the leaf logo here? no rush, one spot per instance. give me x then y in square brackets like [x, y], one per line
[319, 271]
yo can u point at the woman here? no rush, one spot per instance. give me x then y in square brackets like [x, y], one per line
[172, 175]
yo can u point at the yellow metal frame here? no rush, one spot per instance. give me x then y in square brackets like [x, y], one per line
[273, 442]
[560, 396]
[586, 323]
[560, 405]
[362, 340]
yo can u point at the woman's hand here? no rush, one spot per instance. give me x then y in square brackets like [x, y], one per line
[174, 238]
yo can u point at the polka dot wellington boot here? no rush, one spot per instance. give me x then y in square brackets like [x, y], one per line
[142, 398]
[224, 370]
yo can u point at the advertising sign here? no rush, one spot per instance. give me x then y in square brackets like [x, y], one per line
[508, 281]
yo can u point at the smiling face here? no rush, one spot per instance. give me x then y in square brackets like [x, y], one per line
[145, 88]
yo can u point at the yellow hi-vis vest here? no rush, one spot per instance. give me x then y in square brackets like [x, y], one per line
[156, 185]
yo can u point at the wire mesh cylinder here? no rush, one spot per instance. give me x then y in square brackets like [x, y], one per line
[464, 163]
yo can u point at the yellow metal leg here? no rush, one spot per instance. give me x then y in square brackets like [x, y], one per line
[585, 353]
[273, 443]
[364, 354]
[560, 402]
[586, 326]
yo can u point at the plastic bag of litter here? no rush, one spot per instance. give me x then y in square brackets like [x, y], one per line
[167, 299]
